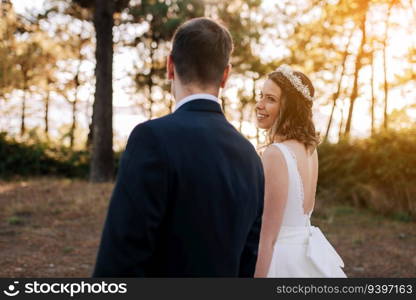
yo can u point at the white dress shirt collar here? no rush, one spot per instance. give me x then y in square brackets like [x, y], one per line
[196, 97]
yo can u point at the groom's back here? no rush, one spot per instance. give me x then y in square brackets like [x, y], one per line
[215, 194]
[189, 192]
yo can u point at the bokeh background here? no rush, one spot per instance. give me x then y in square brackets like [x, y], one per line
[77, 76]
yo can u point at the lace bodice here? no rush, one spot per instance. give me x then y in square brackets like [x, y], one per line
[294, 214]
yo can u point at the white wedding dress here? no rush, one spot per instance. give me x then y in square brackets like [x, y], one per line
[301, 250]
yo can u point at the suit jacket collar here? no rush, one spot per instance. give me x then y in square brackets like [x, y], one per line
[201, 105]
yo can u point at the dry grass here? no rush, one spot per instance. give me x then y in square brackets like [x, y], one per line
[51, 227]
[371, 245]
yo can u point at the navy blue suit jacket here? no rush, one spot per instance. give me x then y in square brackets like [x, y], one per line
[187, 202]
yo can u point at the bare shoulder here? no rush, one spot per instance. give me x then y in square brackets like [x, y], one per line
[272, 152]
[273, 156]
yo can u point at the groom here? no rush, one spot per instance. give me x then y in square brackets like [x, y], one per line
[189, 194]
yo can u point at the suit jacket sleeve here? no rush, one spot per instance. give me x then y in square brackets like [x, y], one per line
[137, 208]
[249, 256]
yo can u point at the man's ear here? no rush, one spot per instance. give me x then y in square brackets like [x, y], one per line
[170, 67]
[225, 75]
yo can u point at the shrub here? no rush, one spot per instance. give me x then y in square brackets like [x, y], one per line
[378, 172]
[39, 158]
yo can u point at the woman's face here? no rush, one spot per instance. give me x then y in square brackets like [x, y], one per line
[267, 109]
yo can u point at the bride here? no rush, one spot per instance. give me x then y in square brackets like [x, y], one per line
[289, 245]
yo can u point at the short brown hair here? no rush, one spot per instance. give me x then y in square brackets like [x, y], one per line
[201, 51]
[295, 115]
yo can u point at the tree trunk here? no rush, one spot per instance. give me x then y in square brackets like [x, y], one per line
[338, 91]
[149, 86]
[102, 159]
[74, 110]
[47, 102]
[341, 123]
[74, 106]
[90, 129]
[358, 65]
[46, 117]
[386, 86]
[334, 104]
[373, 99]
[23, 115]
[73, 124]
[23, 111]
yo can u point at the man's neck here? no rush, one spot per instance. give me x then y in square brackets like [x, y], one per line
[184, 92]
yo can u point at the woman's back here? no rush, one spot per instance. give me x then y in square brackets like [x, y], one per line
[302, 171]
[307, 165]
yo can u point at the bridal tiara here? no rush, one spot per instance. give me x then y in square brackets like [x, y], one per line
[295, 81]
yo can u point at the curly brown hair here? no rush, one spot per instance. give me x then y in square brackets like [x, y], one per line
[295, 115]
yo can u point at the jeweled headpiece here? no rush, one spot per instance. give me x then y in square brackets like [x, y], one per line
[295, 81]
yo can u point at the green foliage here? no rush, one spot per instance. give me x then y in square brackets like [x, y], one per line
[15, 220]
[40, 159]
[378, 173]
[402, 217]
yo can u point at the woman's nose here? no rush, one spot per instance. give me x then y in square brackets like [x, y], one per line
[260, 105]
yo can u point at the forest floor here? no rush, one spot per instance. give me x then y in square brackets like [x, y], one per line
[51, 227]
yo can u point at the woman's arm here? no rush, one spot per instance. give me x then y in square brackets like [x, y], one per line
[275, 198]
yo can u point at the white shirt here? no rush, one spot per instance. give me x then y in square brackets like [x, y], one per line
[196, 97]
